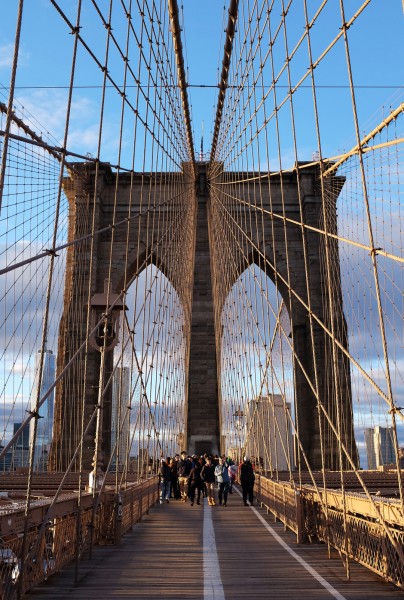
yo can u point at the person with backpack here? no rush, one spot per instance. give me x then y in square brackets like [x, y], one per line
[247, 479]
[223, 480]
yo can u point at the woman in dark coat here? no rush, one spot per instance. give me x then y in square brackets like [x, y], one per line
[175, 490]
[208, 477]
[247, 479]
[195, 483]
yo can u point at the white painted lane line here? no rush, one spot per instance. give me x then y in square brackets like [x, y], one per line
[212, 580]
[299, 559]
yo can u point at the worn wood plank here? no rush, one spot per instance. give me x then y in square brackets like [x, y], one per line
[163, 558]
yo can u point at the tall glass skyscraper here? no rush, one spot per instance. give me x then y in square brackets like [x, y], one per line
[379, 446]
[271, 440]
[20, 450]
[120, 418]
[45, 424]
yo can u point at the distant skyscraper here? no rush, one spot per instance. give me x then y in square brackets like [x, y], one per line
[401, 457]
[379, 446]
[45, 424]
[370, 447]
[120, 426]
[270, 438]
[23, 439]
[20, 450]
[6, 461]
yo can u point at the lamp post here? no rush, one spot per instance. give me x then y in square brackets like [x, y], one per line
[239, 424]
[238, 419]
[104, 339]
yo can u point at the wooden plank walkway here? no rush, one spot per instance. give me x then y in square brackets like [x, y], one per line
[164, 558]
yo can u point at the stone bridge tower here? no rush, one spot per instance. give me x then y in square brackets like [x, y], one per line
[202, 309]
[272, 239]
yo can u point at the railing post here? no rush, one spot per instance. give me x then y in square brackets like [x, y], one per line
[140, 500]
[299, 518]
[78, 537]
[132, 499]
[148, 498]
[284, 509]
[275, 501]
[118, 519]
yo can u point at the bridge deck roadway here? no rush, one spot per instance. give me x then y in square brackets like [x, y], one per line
[213, 553]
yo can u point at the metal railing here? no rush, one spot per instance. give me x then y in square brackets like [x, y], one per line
[318, 516]
[68, 534]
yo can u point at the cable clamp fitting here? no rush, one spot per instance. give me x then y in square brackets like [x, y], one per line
[35, 414]
[395, 410]
[50, 252]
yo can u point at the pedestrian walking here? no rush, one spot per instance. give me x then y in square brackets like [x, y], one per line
[223, 480]
[208, 477]
[175, 490]
[195, 483]
[247, 479]
[232, 474]
[164, 481]
[183, 470]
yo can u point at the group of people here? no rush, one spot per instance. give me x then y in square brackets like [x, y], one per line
[193, 477]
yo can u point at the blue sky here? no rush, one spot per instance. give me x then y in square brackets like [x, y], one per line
[46, 44]
[45, 57]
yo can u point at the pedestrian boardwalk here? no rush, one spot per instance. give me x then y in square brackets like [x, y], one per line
[213, 553]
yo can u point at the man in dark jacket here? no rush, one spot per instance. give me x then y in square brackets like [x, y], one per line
[184, 468]
[247, 479]
[165, 481]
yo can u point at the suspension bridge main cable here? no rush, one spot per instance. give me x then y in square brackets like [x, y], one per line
[182, 82]
[228, 47]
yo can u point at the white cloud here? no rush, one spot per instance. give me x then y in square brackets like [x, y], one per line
[49, 107]
[7, 54]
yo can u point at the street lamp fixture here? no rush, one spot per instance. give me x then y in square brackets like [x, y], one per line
[104, 339]
[238, 419]
[105, 336]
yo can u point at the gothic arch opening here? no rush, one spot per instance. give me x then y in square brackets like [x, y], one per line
[256, 373]
[149, 381]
